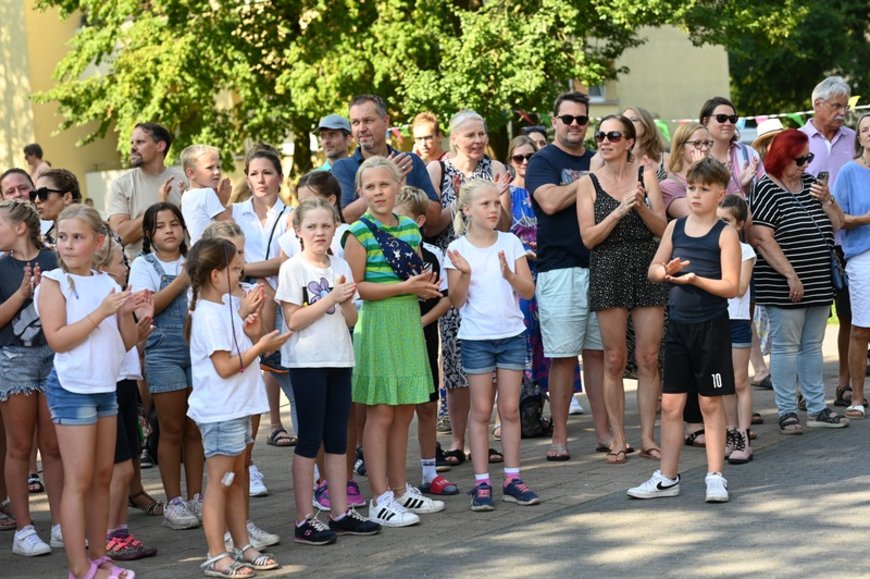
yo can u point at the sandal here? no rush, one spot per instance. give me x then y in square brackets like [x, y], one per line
[496, 432]
[279, 437]
[618, 457]
[7, 521]
[692, 439]
[789, 424]
[841, 400]
[495, 456]
[34, 485]
[558, 453]
[260, 562]
[439, 486]
[235, 569]
[855, 411]
[757, 418]
[651, 453]
[765, 383]
[454, 457]
[154, 508]
[115, 572]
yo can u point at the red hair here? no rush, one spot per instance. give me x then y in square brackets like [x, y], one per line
[785, 147]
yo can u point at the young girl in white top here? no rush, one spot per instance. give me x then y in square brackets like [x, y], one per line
[738, 408]
[486, 272]
[227, 391]
[88, 322]
[315, 291]
[317, 184]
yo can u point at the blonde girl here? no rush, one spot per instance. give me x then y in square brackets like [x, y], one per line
[391, 375]
[486, 273]
[88, 321]
[227, 391]
[25, 363]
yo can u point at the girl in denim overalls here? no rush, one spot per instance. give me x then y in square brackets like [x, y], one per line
[167, 361]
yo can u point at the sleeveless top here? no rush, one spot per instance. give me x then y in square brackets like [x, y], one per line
[449, 172]
[689, 304]
[630, 229]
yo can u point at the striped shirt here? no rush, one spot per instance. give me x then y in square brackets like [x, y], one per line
[378, 269]
[797, 220]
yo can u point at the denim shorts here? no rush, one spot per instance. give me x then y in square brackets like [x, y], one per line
[74, 409]
[483, 356]
[167, 361]
[741, 333]
[24, 369]
[226, 438]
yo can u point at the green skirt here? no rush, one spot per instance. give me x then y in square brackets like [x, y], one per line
[391, 363]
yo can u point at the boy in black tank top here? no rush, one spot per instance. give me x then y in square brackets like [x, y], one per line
[700, 256]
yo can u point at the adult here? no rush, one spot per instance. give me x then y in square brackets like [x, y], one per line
[538, 135]
[369, 122]
[764, 134]
[691, 143]
[15, 183]
[427, 138]
[33, 157]
[468, 160]
[334, 133]
[56, 189]
[148, 182]
[620, 219]
[794, 220]
[831, 142]
[720, 117]
[649, 148]
[568, 326]
[850, 190]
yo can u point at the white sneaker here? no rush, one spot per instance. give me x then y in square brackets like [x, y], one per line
[194, 505]
[717, 488]
[177, 515]
[260, 538]
[414, 501]
[56, 541]
[657, 486]
[575, 407]
[257, 488]
[391, 514]
[28, 543]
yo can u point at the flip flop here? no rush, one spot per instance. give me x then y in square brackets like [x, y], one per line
[618, 457]
[651, 453]
[558, 453]
[765, 383]
[439, 486]
[454, 457]
[34, 485]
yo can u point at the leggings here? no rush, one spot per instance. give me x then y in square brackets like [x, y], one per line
[323, 407]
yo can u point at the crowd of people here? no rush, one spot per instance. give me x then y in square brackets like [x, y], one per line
[396, 284]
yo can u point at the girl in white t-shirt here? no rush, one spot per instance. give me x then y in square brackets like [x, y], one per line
[317, 184]
[88, 322]
[738, 408]
[315, 291]
[227, 391]
[486, 272]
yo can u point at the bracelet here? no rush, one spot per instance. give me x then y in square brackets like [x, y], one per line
[241, 363]
[91, 320]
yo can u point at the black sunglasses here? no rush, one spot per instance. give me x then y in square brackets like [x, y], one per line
[42, 193]
[612, 136]
[569, 119]
[801, 161]
[722, 117]
[518, 159]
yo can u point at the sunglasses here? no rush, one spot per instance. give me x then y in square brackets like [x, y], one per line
[518, 159]
[569, 119]
[801, 161]
[700, 144]
[612, 136]
[42, 193]
[721, 118]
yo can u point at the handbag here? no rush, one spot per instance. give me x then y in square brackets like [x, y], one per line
[399, 254]
[838, 273]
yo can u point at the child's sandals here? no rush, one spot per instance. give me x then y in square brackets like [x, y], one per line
[234, 569]
[115, 572]
[260, 561]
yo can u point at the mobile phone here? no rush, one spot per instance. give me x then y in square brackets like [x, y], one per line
[823, 177]
[640, 171]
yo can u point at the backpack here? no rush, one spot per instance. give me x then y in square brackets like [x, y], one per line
[532, 421]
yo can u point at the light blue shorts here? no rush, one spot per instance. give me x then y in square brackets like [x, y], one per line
[484, 356]
[74, 409]
[226, 438]
[24, 369]
[568, 326]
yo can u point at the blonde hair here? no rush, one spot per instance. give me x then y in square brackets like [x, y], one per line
[310, 205]
[222, 230]
[193, 153]
[106, 252]
[414, 199]
[377, 163]
[20, 211]
[683, 133]
[90, 217]
[461, 223]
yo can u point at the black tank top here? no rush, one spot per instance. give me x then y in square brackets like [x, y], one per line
[690, 304]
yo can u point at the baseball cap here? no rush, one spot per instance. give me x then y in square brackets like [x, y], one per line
[334, 122]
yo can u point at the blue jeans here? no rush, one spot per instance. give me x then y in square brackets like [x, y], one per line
[796, 336]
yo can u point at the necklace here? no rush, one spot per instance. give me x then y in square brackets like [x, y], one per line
[864, 160]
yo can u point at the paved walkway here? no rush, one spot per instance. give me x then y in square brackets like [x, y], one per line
[800, 508]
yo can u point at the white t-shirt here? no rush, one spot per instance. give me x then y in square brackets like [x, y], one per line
[93, 366]
[325, 343]
[738, 308]
[439, 255]
[131, 369]
[257, 234]
[492, 309]
[144, 276]
[216, 399]
[291, 245]
[199, 208]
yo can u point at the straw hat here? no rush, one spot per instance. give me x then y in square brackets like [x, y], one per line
[767, 130]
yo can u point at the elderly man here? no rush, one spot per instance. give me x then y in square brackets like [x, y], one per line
[334, 133]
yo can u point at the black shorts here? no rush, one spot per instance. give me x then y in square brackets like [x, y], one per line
[127, 437]
[841, 297]
[698, 358]
[430, 332]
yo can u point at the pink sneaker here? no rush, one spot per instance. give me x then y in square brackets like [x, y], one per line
[742, 452]
[355, 498]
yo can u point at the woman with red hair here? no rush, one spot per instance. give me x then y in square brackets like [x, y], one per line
[794, 217]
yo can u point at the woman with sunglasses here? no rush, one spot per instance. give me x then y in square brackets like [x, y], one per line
[55, 190]
[794, 221]
[720, 117]
[620, 212]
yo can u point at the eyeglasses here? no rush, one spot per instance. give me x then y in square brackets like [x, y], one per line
[801, 161]
[700, 144]
[612, 136]
[569, 119]
[722, 117]
[838, 106]
[518, 159]
[42, 193]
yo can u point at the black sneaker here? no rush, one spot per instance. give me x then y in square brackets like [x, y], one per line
[359, 465]
[354, 523]
[313, 532]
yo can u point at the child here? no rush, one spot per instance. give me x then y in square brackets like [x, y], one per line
[121, 545]
[320, 358]
[412, 203]
[25, 362]
[208, 196]
[738, 409]
[391, 375]
[160, 270]
[88, 322]
[700, 255]
[486, 271]
[224, 398]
